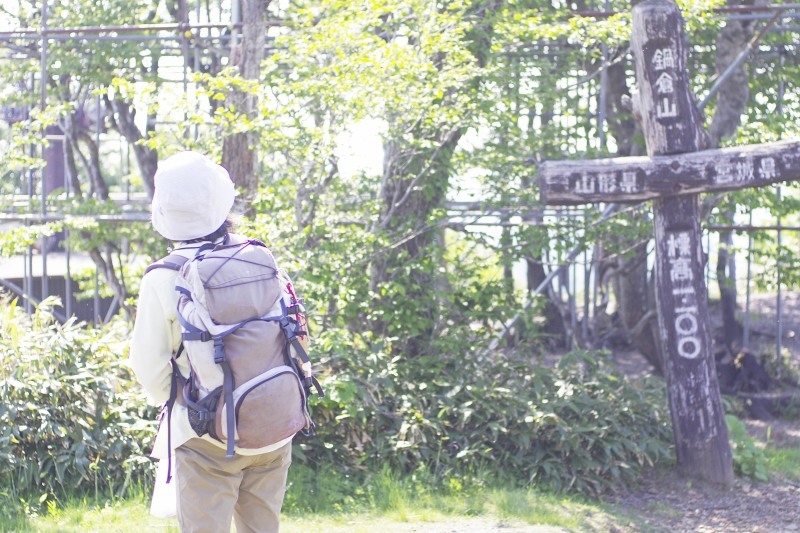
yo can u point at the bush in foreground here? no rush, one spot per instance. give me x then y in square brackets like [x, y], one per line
[71, 418]
[576, 426]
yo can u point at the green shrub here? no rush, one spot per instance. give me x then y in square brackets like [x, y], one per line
[577, 426]
[71, 417]
[749, 459]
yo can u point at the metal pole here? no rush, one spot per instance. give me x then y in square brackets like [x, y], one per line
[43, 105]
[729, 9]
[184, 15]
[595, 273]
[779, 348]
[128, 28]
[96, 297]
[67, 247]
[586, 283]
[708, 254]
[127, 172]
[28, 279]
[197, 67]
[37, 218]
[779, 334]
[236, 19]
[572, 289]
[601, 113]
[746, 339]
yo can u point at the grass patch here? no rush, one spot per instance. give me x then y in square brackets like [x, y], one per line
[386, 493]
[128, 515]
[783, 462]
[384, 502]
[386, 498]
[780, 456]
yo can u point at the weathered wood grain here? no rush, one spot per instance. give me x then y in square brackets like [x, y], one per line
[672, 125]
[634, 179]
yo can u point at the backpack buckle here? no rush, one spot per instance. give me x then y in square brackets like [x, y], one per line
[219, 351]
[203, 336]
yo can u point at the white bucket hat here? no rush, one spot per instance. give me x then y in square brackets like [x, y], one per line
[193, 196]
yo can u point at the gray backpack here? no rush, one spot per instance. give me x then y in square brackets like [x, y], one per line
[244, 333]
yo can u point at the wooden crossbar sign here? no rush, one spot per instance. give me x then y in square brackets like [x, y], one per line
[634, 179]
[672, 175]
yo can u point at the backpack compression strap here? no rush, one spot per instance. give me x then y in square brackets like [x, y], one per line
[193, 333]
[227, 391]
[176, 383]
[292, 330]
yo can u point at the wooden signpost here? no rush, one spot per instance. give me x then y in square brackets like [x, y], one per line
[672, 176]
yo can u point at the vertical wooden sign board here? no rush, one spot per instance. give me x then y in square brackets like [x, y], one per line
[672, 175]
[673, 125]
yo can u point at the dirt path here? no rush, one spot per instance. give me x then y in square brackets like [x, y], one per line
[672, 504]
[465, 525]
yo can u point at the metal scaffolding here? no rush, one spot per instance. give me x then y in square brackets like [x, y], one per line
[194, 39]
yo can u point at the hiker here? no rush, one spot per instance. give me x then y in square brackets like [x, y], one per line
[191, 207]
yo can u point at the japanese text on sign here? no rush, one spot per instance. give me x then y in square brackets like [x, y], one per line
[681, 277]
[745, 170]
[663, 62]
[589, 183]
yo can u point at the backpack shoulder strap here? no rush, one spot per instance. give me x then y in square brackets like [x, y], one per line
[171, 262]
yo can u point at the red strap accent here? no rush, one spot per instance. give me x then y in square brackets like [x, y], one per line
[301, 318]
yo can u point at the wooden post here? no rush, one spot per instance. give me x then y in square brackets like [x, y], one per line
[672, 175]
[673, 125]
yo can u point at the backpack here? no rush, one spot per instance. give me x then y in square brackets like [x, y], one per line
[244, 333]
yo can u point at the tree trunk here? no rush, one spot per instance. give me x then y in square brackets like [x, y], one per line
[633, 289]
[122, 119]
[726, 278]
[239, 151]
[105, 265]
[99, 184]
[72, 168]
[636, 305]
[620, 121]
[732, 101]
[70, 146]
[733, 95]
[414, 184]
[554, 328]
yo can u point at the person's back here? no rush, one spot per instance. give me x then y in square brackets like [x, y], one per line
[191, 204]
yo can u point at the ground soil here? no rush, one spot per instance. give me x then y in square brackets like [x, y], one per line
[671, 503]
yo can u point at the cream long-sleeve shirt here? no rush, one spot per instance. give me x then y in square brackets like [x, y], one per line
[156, 337]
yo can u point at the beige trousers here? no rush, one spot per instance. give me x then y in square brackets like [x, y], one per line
[213, 488]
